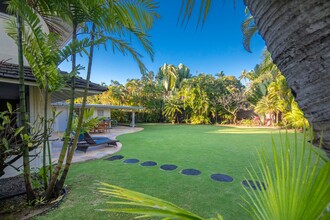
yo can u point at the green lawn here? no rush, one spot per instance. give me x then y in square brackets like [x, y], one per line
[210, 149]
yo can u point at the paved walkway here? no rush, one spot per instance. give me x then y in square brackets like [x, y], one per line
[95, 152]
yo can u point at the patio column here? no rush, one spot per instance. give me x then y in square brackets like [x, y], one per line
[133, 119]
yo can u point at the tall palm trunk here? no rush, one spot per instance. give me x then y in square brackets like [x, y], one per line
[45, 135]
[51, 187]
[297, 34]
[81, 116]
[26, 159]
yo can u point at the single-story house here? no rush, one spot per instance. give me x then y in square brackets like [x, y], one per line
[35, 102]
[99, 111]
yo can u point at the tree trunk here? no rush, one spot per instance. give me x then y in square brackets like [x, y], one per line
[234, 118]
[297, 34]
[26, 153]
[51, 191]
[81, 116]
[45, 135]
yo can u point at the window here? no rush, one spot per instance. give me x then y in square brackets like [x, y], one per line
[100, 113]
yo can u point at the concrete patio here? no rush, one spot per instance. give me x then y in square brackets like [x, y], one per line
[94, 152]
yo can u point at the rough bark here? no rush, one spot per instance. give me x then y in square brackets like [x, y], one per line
[297, 34]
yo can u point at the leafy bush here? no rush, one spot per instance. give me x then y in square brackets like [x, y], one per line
[199, 119]
[295, 118]
[247, 122]
[227, 118]
[9, 136]
[89, 121]
[120, 116]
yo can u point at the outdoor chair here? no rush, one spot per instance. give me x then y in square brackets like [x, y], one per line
[101, 128]
[86, 141]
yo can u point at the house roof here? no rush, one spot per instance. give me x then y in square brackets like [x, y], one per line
[9, 74]
[99, 106]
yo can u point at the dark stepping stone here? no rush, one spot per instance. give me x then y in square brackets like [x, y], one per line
[222, 178]
[115, 157]
[254, 185]
[149, 164]
[131, 161]
[168, 167]
[191, 172]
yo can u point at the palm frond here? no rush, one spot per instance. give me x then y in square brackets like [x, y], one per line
[124, 47]
[249, 29]
[39, 49]
[187, 8]
[144, 205]
[296, 180]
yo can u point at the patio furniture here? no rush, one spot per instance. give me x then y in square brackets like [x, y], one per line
[101, 127]
[107, 126]
[114, 123]
[86, 141]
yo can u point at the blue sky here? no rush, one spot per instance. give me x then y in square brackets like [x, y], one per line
[214, 48]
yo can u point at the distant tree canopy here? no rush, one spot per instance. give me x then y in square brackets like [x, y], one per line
[175, 95]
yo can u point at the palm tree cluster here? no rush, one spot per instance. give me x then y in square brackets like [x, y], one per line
[271, 96]
[99, 22]
[174, 95]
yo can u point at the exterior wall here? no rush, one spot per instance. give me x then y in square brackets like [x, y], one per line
[36, 104]
[35, 164]
[62, 119]
[8, 47]
[98, 112]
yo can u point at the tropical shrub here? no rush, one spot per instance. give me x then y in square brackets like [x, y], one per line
[295, 118]
[247, 122]
[296, 180]
[199, 119]
[173, 108]
[120, 116]
[12, 139]
[227, 118]
[89, 121]
[9, 136]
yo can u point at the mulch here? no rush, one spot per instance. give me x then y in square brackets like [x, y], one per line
[13, 202]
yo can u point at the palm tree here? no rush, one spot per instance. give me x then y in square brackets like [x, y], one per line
[133, 19]
[297, 36]
[39, 50]
[183, 73]
[26, 159]
[173, 108]
[267, 105]
[169, 77]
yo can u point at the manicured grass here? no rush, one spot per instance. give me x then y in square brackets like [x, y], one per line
[210, 149]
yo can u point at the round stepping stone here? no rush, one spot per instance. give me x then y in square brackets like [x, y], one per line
[148, 164]
[254, 185]
[222, 177]
[191, 172]
[131, 161]
[115, 157]
[168, 167]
